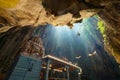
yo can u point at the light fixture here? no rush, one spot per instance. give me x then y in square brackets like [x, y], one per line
[50, 65]
[64, 69]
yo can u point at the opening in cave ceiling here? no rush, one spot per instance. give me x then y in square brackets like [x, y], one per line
[82, 45]
[92, 43]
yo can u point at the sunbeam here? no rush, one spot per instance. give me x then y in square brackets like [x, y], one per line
[82, 45]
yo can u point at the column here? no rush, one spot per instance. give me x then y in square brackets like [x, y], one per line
[79, 77]
[67, 70]
[47, 70]
[79, 73]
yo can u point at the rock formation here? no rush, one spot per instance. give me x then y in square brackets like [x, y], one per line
[111, 16]
[11, 43]
[33, 48]
[34, 12]
[21, 13]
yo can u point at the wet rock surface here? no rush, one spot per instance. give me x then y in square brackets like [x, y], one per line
[111, 16]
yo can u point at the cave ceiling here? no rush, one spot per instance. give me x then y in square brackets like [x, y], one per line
[18, 13]
[55, 12]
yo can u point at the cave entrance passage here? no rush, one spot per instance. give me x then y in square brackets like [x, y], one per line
[57, 69]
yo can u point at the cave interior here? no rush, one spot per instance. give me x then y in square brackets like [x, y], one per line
[59, 40]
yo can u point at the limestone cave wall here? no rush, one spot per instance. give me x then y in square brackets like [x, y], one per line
[111, 16]
[11, 43]
[35, 12]
[60, 12]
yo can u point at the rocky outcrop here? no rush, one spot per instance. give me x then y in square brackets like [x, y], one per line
[20, 13]
[62, 12]
[111, 16]
[33, 48]
[11, 43]
[34, 12]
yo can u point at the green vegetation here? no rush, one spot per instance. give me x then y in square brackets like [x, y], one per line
[101, 27]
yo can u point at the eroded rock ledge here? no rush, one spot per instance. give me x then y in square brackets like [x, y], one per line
[111, 16]
[63, 12]
[60, 12]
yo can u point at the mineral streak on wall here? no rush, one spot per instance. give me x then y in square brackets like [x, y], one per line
[8, 3]
[10, 45]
